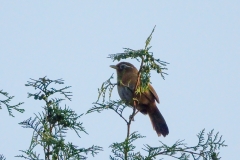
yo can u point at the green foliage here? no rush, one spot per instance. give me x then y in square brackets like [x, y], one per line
[120, 149]
[51, 125]
[10, 107]
[205, 149]
[2, 157]
[107, 85]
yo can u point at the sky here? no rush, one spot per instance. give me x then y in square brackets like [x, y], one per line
[72, 40]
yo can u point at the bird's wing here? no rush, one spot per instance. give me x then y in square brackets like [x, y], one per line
[129, 83]
[154, 93]
[131, 87]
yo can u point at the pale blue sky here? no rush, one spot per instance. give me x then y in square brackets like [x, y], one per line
[71, 40]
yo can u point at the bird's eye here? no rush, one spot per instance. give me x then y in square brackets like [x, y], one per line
[122, 66]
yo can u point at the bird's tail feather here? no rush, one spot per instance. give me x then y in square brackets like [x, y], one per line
[158, 122]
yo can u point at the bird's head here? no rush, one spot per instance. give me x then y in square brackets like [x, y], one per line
[124, 68]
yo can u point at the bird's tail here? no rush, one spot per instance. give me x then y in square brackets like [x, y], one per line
[158, 122]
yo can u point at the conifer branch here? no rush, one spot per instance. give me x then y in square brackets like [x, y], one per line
[10, 107]
[51, 125]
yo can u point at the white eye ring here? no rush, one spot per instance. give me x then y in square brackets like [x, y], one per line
[122, 66]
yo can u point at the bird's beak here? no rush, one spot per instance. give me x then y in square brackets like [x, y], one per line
[113, 66]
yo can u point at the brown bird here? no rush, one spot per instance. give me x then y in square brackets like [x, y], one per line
[127, 76]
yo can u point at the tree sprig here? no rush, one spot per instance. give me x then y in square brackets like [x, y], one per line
[10, 107]
[205, 149]
[51, 125]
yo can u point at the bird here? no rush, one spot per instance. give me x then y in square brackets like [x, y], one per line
[127, 77]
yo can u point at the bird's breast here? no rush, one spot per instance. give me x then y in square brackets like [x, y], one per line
[125, 93]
